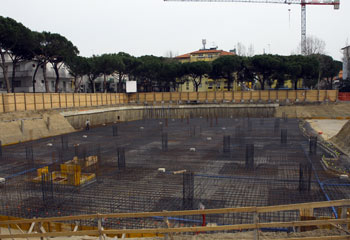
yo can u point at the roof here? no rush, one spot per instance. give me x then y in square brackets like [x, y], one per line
[188, 55]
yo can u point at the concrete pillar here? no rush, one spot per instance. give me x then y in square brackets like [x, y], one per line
[226, 144]
[284, 136]
[313, 145]
[115, 130]
[249, 156]
[121, 158]
[164, 141]
[188, 190]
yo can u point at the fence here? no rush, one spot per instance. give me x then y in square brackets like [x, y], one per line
[238, 96]
[46, 227]
[11, 102]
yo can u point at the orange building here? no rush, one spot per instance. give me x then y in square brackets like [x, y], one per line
[207, 84]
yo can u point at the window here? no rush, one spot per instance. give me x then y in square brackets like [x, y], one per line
[218, 85]
[16, 83]
[52, 85]
[64, 86]
[200, 85]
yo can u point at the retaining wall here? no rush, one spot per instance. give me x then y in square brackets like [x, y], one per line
[131, 113]
[11, 102]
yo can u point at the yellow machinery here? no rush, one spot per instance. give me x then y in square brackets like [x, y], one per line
[70, 172]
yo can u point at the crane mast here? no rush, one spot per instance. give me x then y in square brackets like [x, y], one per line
[302, 3]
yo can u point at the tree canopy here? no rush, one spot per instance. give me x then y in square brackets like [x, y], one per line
[154, 73]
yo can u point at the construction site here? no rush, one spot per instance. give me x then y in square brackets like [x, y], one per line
[163, 163]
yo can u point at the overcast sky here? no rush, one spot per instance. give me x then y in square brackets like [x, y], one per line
[144, 27]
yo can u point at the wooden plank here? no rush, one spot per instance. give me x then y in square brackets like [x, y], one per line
[184, 229]
[31, 227]
[51, 234]
[335, 203]
[317, 238]
[229, 227]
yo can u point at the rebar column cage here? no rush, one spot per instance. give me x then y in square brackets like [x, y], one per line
[188, 190]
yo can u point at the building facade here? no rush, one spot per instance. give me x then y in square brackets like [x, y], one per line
[346, 62]
[207, 84]
[23, 81]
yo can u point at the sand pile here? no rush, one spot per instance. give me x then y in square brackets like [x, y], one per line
[31, 127]
[342, 139]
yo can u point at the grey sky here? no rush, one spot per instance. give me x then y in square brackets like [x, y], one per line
[142, 27]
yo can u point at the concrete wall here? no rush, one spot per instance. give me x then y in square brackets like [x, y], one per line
[130, 113]
[11, 102]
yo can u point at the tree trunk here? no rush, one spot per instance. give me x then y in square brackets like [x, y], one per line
[35, 71]
[5, 71]
[45, 79]
[92, 82]
[104, 83]
[120, 83]
[330, 84]
[262, 84]
[75, 84]
[13, 75]
[229, 80]
[295, 84]
[57, 81]
[196, 85]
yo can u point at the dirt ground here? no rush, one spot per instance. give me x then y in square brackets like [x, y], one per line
[327, 111]
[327, 128]
[342, 139]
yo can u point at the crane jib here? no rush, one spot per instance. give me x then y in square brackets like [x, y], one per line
[306, 2]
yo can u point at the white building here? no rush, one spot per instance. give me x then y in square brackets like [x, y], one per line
[23, 81]
[346, 62]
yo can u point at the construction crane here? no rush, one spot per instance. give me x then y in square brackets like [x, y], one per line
[302, 3]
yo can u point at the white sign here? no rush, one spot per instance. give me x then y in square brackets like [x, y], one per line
[131, 86]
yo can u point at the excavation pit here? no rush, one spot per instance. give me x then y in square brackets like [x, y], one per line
[128, 180]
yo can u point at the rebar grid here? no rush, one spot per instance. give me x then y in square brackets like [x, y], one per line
[128, 179]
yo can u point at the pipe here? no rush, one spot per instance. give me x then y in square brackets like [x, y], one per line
[21, 173]
[320, 183]
[249, 178]
[243, 178]
[27, 171]
[337, 184]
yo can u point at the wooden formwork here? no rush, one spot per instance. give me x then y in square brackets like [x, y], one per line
[54, 227]
[10, 102]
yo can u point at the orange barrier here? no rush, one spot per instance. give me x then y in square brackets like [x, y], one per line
[344, 96]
